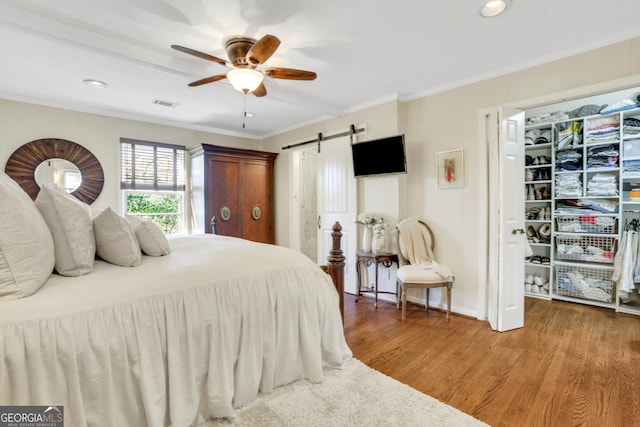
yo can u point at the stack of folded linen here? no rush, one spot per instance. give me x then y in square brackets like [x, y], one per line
[547, 117]
[621, 105]
[602, 157]
[568, 185]
[601, 205]
[562, 208]
[603, 129]
[631, 169]
[602, 184]
[631, 126]
[586, 206]
[568, 160]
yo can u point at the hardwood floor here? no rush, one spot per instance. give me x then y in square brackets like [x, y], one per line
[571, 365]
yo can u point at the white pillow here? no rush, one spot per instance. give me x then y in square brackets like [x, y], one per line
[26, 245]
[115, 239]
[69, 220]
[152, 240]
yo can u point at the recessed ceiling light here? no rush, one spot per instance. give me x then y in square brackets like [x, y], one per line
[95, 83]
[493, 7]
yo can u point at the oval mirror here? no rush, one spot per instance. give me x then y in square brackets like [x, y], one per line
[58, 173]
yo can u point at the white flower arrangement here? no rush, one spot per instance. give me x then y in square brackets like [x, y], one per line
[380, 228]
[368, 219]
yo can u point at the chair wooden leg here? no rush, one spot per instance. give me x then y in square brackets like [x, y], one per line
[426, 301]
[448, 300]
[397, 295]
[404, 303]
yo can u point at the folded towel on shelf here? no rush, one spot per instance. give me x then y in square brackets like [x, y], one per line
[621, 105]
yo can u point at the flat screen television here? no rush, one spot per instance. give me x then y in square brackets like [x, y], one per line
[379, 157]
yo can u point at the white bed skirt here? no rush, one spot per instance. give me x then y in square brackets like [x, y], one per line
[206, 341]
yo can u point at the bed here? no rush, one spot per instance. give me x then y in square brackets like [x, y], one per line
[175, 340]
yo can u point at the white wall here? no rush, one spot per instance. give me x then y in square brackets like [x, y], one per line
[22, 122]
[384, 195]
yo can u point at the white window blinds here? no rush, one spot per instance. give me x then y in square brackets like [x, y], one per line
[151, 166]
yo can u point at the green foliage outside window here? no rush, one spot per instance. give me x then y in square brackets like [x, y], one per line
[161, 208]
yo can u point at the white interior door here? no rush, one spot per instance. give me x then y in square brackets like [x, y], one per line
[510, 230]
[491, 131]
[337, 201]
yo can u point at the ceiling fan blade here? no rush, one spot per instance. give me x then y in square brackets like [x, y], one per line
[262, 49]
[208, 80]
[200, 54]
[260, 91]
[289, 74]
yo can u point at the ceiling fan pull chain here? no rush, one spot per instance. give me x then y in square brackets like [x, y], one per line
[244, 112]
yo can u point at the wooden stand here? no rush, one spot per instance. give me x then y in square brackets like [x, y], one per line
[365, 259]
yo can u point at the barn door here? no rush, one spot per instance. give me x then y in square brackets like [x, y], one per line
[337, 201]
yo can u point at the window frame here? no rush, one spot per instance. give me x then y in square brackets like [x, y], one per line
[177, 185]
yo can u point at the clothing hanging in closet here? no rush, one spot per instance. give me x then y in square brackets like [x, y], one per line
[626, 265]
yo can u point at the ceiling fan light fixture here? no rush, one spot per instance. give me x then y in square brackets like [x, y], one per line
[245, 79]
[493, 7]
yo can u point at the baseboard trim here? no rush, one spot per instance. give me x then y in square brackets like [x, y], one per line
[435, 305]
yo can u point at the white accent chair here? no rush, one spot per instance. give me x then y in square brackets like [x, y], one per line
[416, 276]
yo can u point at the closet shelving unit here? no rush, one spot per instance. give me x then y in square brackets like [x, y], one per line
[583, 245]
[538, 212]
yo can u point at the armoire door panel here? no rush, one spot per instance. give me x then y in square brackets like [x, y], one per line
[224, 181]
[256, 192]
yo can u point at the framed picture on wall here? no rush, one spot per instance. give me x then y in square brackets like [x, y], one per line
[450, 167]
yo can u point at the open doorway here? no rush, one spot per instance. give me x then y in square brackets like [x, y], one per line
[308, 202]
[558, 264]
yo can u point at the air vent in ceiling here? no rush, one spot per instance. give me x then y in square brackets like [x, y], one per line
[165, 103]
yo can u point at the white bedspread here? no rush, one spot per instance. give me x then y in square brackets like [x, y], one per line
[179, 339]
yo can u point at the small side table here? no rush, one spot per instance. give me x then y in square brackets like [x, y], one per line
[386, 259]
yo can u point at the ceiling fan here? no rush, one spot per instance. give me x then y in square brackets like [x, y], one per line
[245, 55]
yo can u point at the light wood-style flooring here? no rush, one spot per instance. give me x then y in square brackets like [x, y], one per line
[571, 365]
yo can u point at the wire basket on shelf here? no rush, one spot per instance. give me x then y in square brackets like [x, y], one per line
[586, 248]
[586, 224]
[584, 282]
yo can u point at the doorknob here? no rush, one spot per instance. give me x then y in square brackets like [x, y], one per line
[517, 230]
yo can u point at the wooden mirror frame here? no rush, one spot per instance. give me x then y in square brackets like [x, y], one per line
[22, 164]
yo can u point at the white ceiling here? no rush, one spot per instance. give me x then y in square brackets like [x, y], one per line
[364, 51]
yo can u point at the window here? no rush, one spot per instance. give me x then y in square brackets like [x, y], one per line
[153, 182]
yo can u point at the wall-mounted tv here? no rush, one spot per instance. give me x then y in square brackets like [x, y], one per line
[379, 157]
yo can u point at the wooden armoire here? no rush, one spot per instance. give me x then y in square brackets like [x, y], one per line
[235, 186]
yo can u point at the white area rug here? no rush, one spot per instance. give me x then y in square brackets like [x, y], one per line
[353, 396]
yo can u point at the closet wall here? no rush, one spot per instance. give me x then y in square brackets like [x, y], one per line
[582, 212]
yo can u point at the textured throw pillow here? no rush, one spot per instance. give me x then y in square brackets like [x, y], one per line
[69, 220]
[152, 240]
[115, 239]
[26, 245]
